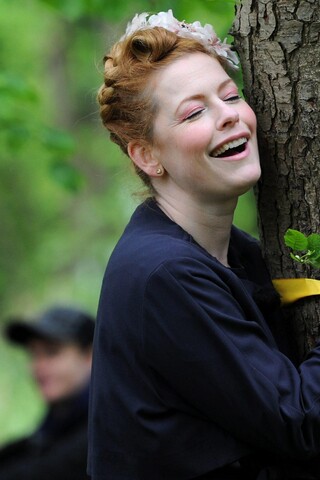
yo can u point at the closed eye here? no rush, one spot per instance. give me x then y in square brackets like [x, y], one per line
[194, 114]
[233, 98]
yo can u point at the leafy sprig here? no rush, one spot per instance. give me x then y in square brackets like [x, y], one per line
[305, 249]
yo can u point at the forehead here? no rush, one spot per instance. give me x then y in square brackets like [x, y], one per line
[189, 75]
[41, 344]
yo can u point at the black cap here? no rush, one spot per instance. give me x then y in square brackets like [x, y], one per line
[64, 324]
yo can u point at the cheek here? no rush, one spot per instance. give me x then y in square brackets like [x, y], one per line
[249, 117]
[59, 371]
[196, 138]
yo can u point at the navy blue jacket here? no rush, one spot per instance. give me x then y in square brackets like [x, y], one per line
[187, 376]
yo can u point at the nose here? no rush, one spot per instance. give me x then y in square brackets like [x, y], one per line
[227, 116]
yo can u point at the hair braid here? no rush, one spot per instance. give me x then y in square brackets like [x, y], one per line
[127, 103]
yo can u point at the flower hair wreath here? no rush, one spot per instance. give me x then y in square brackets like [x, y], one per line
[205, 35]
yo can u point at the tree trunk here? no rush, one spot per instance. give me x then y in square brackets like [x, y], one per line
[278, 42]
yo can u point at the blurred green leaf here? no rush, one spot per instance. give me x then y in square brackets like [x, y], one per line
[15, 87]
[58, 141]
[72, 10]
[17, 135]
[66, 175]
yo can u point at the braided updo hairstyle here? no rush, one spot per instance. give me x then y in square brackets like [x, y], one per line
[127, 103]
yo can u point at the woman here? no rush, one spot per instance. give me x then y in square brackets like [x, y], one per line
[188, 381]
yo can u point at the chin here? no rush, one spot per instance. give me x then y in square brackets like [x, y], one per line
[247, 185]
[251, 176]
[50, 395]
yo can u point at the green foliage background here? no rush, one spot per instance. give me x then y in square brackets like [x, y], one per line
[65, 190]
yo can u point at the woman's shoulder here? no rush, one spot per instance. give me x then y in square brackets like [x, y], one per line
[150, 241]
[150, 233]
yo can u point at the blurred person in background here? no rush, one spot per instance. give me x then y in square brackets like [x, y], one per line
[60, 346]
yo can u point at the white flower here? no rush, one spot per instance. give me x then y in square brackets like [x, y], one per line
[138, 22]
[165, 20]
[206, 35]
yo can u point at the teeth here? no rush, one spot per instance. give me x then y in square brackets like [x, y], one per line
[227, 146]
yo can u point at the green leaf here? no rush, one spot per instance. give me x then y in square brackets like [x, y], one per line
[14, 87]
[314, 243]
[295, 240]
[66, 175]
[58, 142]
[72, 10]
[17, 136]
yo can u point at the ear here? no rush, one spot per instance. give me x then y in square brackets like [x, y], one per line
[143, 157]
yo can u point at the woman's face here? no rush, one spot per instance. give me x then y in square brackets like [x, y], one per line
[204, 133]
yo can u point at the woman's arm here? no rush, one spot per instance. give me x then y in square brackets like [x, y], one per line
[207, 341]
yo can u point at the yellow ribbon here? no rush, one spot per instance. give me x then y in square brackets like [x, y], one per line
[292, 289]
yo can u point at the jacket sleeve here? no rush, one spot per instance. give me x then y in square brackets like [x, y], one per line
[208, 357]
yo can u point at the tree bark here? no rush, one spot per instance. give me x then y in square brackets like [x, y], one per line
[278, 42]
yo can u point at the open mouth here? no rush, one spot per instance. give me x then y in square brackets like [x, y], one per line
[231, 148]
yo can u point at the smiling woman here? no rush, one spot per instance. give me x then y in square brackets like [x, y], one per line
[200, 120]
[189, 381]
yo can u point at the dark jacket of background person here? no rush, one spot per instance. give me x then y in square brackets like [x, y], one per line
[57, 449]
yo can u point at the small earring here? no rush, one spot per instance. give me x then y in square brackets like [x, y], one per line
[159, 171]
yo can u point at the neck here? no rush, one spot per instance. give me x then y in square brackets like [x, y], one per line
[209, 225]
